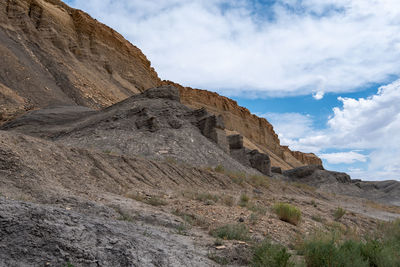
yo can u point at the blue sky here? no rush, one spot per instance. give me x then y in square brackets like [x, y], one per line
[323, 72]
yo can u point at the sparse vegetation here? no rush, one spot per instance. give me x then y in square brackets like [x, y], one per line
[244, 200]
[218, 259]
[218, 242]
[123, 215]
[192, 219]
[237, 177]
[339, 213]
[272, 255]
[153, 200]
[228, 200]
[171, 160]
[232, 232]
[156, 201]
[219, 168]
[328, 250]
[253, 218]
[287, 213]
[317, 218]
[204, 197]
[259, 181]
[304, 187]
[314, 203]
[257, 208]
[182, 229]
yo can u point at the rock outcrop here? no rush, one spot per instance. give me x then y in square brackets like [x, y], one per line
[252, 158]
[258, 130]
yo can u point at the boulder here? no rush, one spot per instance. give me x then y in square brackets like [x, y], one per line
[235, 141]
[276, 170]
[260, 162]
[212, 127]
[302, 171]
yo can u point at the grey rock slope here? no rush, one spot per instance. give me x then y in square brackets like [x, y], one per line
[153, 124]
[42, 235]
[76, 204]
[387, 192]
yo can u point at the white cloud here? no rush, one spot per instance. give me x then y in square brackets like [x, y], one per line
[318, 95]
[364, 124]
[317, 45]
[344, 157]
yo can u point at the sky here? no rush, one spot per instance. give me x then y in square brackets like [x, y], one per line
[325, 73]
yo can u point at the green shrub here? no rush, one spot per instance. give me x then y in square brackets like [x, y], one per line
[339, 213]
[219, 168]
[231, 232]
[244, 200]
[272, 255]
[287, 213]
[329, 252]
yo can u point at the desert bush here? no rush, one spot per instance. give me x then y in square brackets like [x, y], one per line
[231, 232]
[327, 250]
[192, 219]
[259, 181]
[339, 213]
[287, 213]
[272, 255]
[244, 200]
[219, 168]
[228, 200]
[237, 177]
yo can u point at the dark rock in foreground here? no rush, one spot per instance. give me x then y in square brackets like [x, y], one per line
[41, 235]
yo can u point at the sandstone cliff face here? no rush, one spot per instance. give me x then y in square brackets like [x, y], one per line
[258, 131]
[53, 54]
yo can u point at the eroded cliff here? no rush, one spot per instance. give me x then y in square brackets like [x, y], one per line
[54, 54]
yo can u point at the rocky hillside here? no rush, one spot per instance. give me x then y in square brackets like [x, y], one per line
[56, 55]
[53, 54]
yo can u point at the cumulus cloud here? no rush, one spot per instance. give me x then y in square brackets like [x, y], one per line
[244, 47]
[318, 95]
[364, 124]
